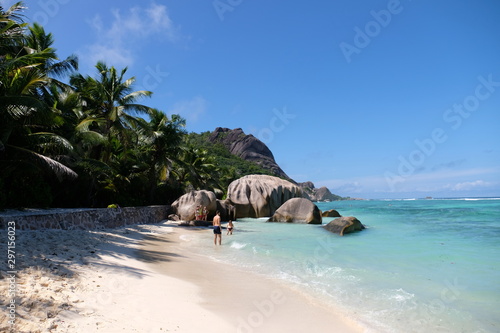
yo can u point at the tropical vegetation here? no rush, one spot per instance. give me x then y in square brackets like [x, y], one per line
[74, 140]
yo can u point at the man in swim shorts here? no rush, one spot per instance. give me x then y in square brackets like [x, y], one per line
[217, 229]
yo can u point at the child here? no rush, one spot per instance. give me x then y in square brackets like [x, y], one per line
[230, 228]
[197, 213]
[205, 213]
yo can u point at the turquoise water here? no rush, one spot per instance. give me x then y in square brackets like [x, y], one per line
[420, 266]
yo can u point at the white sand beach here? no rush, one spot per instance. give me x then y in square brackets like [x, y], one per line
[143, 279]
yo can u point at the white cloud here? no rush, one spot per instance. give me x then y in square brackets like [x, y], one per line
[191, 109]
[161, 22]
[467, 186]
[349, 187]
[453, 174]
[114, 56]
[432, 182]
[115, 43]
[354, 185]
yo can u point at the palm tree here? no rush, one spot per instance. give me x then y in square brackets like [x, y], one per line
[160, 139]
[11, 29]
[196, 168]
[110, 97]
[24, 114]
[37, 40]
[18, 73]
[30, 150]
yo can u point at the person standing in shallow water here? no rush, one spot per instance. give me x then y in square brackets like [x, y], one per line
[217, 228]
[230, 227]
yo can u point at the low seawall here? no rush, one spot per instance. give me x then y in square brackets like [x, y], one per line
[83, 219]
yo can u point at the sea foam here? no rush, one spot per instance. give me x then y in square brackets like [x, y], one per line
[423, 266]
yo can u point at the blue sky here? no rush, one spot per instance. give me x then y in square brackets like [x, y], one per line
[373, 99]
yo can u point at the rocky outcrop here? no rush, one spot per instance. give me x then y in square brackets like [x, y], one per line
[185, 206]
[317, 194]
[226, 209]
[344, 225]
[324, 194]
[248, 148]
[308, 190]
[298, 210]
[260, 195]
[330, 213]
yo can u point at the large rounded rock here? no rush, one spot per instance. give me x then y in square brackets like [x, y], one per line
[344, 225]
[227, 211]
[331, 213]
[185, 206]
[298, 210]
[260, 195]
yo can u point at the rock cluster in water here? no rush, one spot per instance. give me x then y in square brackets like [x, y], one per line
[261, 196]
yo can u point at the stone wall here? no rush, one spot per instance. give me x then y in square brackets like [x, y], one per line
[83, 219]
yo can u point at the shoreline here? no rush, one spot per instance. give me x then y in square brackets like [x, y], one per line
[142, 279]
[247, 301]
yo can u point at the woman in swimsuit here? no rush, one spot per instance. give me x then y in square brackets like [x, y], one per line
[230, 228]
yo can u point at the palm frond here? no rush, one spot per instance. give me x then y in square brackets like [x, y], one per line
[21, 106]
[51, 142]
[93, 166]
[138, 108]
[14, 12]
[92, 138]
[65, 66]
[85, 124]
[46, 163]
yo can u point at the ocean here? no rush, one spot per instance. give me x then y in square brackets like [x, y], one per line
[422, 265]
